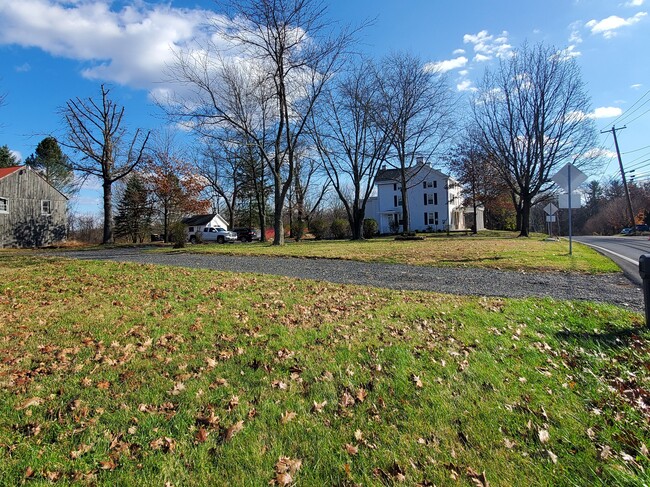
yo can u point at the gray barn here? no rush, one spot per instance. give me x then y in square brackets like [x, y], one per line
[33, 213]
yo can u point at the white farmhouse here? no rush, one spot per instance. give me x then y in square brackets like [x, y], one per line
[434, 199]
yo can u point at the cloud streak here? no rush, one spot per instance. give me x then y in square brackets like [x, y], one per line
[609, 26]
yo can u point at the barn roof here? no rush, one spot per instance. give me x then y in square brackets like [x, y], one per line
[6, 171]
[199, 219]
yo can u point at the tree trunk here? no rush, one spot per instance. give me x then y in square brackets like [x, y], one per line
[278, 226]
[525, 217]
[357, 224]
[108, 217]
[405, 208]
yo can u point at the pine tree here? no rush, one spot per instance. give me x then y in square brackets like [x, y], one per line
[7, 158]
[51, 163]
[134, 211]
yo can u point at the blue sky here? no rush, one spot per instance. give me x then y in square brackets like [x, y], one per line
[54, 50]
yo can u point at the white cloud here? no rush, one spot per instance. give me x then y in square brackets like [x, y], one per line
[486, 46]
[608, 27]
[634, 3]
[569, 53]
[130, 46]
[17, 155]
[596, 114]
[605, 112]
[598, 152]
[448, 65]
[466, 85]
[636, 86]
[458, 52]
[23, 68]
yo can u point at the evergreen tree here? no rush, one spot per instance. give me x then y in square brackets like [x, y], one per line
[7, 158]
[51, 163]
[134, 210]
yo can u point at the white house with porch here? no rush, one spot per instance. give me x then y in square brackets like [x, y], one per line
[434, 199]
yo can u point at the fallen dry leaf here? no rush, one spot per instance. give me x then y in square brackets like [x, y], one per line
[351, 449]
[543, 436]
[417, 381]
[362, 394]
[552, 456]
[234, 429]
[287, 416]
[318, 406]
[285, 471]
[33, 401]
[478, 479]
[201, 435]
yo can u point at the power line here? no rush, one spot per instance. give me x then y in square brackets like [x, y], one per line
[625, 113]
[635, 119]
[635, 150]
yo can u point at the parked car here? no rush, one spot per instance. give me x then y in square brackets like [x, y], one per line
[642, 228]
[214, 234]
[246, 234]
[627, 231]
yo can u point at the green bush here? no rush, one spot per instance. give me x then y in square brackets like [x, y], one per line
[298, 230]
[340, 228]
[318, 228]
[370, 227]
[178, 235]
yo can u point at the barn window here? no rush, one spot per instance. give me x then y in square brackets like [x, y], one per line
[46, 207]
[4, 205]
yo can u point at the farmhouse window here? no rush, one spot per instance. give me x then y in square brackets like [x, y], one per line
[431, 218]
[4, 205]
[46, 207]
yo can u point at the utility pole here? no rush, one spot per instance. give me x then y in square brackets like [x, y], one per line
[620, 165]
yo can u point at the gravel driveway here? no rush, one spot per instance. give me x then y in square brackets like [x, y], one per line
[610, 288]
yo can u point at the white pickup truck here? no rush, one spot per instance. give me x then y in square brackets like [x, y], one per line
[213, 234]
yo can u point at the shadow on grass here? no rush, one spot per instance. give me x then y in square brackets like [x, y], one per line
[612, 339]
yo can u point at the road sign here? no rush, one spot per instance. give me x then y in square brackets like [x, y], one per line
[577, 177]
[569, 178]
[550, 209]
[576, 200]
[551, 218]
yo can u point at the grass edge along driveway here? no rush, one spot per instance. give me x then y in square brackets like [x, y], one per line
[505, 253]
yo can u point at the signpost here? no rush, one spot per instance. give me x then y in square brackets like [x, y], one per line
[567, 178]
[550, 211]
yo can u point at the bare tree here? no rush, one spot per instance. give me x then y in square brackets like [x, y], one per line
[532, 116]
[351, 143]
[286, 53]
[306, 194]
[417, 115]
[95, 132]
[481, 183]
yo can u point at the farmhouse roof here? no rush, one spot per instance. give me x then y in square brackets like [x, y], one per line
[6, 171]
[199, 219]
[394, 175]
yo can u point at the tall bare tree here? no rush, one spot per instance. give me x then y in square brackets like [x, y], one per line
[532, 115]
[286, 52]
[351, 143]
[481, 183]
[417, 115]
[95, 131]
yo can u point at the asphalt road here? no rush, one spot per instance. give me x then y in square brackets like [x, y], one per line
[624, 250]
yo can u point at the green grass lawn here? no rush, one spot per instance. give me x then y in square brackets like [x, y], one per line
[123, 374]
[494, 251]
